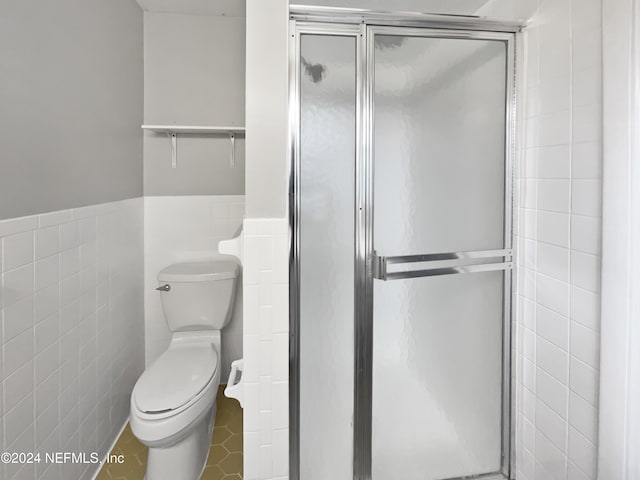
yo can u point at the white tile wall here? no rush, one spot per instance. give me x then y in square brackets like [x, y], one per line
[188, 228]
[558, 239]
[266, 358]
[72, 332]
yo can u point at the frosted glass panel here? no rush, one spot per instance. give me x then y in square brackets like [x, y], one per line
[437, 377]
[327, 178]
[439, 157]
[439, 145]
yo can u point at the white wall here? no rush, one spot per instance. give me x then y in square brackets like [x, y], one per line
[494, 9]
[559, 241]
[267, 108]
[193, 75]
[187, 228]
[452, 7]
[71, 286]
[266, 322]
[71, 101]
[73, 332]
[195, 7]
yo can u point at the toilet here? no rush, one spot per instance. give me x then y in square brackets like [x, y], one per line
[173, 403]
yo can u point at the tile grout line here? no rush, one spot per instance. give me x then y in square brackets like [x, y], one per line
[33, 339]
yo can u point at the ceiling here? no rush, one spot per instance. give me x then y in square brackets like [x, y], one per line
[229, 8]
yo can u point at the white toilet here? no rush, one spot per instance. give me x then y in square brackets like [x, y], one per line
[173, 403]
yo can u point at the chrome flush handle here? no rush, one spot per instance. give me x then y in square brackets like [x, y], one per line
[164, 288]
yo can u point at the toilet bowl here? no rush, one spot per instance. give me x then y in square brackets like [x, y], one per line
[173, 403]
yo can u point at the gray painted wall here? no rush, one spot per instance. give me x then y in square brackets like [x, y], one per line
[194, 68]
[71, 82]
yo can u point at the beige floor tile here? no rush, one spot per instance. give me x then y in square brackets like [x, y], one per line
[225, 456]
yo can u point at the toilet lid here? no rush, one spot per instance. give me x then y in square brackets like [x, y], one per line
[175, 378]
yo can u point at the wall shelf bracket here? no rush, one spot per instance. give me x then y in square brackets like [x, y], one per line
[172, 132]
[174, 148]
[232, 139]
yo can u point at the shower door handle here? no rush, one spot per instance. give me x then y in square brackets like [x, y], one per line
[442, 263]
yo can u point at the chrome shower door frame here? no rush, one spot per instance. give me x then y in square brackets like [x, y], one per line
[308, 21]
[296, 30]
[363, 472]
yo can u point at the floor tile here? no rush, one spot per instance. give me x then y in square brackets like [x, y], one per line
[225, 456]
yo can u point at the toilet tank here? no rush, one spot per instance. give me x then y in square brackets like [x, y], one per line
[198, 295]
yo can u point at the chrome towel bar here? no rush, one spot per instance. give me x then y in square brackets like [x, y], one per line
[448, 263]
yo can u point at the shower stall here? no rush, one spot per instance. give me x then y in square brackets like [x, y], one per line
[401, 260]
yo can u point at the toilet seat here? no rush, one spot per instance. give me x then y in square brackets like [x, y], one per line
[172, 413]
[175, 379]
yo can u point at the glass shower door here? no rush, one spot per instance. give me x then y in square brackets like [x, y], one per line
[441, 253]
